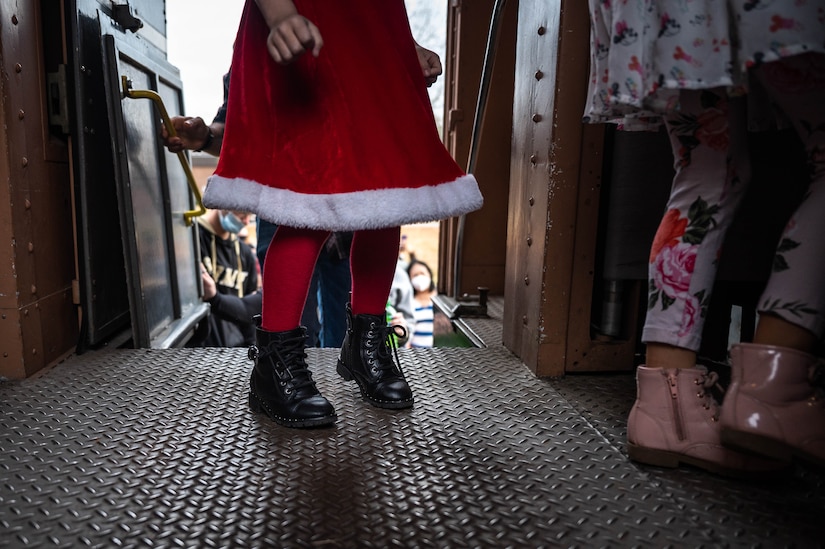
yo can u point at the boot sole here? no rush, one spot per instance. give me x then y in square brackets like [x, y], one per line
[257, 406]
[672, 460]
[767, 447]
[345, 373]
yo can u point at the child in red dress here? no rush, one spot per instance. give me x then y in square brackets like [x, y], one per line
[329, 128]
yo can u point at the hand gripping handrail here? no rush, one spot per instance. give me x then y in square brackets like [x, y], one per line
[190, 177]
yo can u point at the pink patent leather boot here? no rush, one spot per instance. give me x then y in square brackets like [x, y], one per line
[675, 421]
[774, 406]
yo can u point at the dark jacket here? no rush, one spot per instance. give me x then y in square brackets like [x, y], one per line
[233, 265]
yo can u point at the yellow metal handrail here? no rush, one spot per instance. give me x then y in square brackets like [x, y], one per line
[190, 178]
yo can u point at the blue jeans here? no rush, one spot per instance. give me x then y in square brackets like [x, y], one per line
[325, 309]
[334, 281]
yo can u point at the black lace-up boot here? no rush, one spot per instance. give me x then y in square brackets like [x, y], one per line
[367, 357]
[281, 385]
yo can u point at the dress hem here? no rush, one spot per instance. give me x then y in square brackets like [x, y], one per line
[370, 209]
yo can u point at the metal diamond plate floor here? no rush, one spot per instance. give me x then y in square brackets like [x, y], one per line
[150, 448]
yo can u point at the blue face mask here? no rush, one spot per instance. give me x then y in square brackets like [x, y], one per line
[231, 223]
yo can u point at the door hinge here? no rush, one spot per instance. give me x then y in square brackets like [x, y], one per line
[125, 16]
[454, 116]
[57, 99]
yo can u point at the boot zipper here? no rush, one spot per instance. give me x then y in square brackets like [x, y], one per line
[674, 400]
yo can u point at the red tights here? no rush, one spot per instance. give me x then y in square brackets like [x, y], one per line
[290, 261]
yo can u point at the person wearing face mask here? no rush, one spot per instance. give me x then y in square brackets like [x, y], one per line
[230, 281]
[421, 277]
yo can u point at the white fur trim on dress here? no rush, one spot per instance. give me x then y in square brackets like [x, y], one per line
[353, 211]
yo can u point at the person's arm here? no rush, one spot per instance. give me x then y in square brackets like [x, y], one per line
[401, 299]
[406, 306]
[250, 261]
[193, 134]
[238, 310]
[290, 33]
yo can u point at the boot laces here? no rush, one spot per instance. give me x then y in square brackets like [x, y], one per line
[384, 339]
[709, 382]
[290, 363]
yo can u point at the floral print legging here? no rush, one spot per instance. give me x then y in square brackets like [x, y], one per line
[708, 138]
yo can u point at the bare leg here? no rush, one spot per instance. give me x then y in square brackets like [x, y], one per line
[773, 330]
[662, 355]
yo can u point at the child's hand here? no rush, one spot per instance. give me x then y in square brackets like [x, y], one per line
[291, 37]
[430, 64]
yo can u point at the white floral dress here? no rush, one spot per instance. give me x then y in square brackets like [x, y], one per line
[643, 54]
[644, 51]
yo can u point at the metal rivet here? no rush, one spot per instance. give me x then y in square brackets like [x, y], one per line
[31, 246]
[34, 351]
[14, 19]
[24, 161]
[34, 289]
[539, 75]
[28, 204]
[531, 201]
[537, 117]
[542, 30]
[18, 67]
[529, 240]
[533, 159]
[526, 280]
[21, 114]
[524, 319]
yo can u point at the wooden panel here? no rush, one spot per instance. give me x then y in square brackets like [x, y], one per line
[584, 352]
[554, 199]
[484, 247]
[531, 188]
[582, 165]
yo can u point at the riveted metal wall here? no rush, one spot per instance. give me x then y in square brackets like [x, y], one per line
[38, 318]
[63, 271]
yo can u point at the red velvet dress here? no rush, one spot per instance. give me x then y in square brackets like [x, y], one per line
[345, 141]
